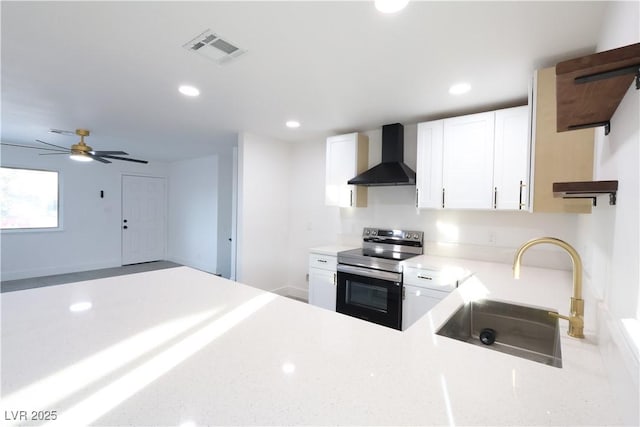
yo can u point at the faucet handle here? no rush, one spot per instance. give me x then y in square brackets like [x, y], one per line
[576, 324]
[559, 316]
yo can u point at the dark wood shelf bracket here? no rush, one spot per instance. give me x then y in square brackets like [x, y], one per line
[586, 190]
[632, 69]
[590, 88]
[603, 75]
[607, 126]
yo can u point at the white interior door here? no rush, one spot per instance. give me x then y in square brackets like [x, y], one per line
[143, 219]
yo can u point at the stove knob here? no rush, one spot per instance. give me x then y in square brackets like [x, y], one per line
[416, 236]
[366, 232]
[374, 232]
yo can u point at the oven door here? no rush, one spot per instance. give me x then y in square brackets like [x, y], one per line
[370, 294]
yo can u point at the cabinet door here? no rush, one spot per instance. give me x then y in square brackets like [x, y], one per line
[417, 302]
[468, 161]
[322, 288]
[511, 158]
[429, 165]
[347, 155]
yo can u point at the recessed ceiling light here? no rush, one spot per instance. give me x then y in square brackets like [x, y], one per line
[293, 124]
[390, 6]
[459, 88]
[189, 90]
[288, 368]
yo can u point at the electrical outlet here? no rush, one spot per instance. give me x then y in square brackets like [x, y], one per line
[492, 237]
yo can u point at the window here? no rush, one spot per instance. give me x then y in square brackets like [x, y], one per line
[28, 199]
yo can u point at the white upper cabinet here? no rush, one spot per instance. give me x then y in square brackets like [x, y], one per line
[347, 156]
[478, 161]
[512, 156]
[468, 161]
[429, 167]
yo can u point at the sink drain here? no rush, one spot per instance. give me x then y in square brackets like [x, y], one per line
[487, 336]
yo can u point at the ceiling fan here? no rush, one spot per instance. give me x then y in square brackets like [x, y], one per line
[80, 151]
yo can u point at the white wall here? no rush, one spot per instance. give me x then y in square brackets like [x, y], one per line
[610, 235]
[193, 213]
[91, 234]
[264, 194]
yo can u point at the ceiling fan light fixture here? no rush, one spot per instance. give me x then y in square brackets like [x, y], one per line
[80, 157]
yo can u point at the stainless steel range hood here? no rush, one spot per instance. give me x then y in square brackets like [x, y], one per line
[392, 170]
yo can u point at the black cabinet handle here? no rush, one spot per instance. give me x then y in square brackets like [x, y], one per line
[125, 227]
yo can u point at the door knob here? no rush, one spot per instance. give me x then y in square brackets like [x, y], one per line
[125, 227]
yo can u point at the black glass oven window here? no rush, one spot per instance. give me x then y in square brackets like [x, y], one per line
[367, 296]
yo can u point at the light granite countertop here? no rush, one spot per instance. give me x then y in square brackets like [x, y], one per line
[182, 347]
[330, 249]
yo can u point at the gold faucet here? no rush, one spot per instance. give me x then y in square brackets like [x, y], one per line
[576, 319]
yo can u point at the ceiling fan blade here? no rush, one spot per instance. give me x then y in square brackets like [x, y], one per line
[100, 159]
[124, 158]
[66, 150]
[53, 154]
[109, 153]
[53, 145]
[62, 132]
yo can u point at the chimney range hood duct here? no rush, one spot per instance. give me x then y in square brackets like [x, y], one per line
[392, 170]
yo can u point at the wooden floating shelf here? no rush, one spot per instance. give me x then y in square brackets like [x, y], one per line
[589, 89]
[586, 190]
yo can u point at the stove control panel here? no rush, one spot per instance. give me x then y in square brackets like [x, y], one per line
[399, 235]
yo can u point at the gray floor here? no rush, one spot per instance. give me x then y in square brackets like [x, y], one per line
[59, 279]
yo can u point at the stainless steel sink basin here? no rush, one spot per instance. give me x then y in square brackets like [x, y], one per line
[522, 331]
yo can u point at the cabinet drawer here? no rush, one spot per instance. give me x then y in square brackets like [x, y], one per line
[430, 279]
[325, 262]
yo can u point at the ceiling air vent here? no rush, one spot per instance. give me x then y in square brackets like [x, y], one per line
[212, 46]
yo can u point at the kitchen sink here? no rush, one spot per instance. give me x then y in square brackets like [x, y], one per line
[518, 330]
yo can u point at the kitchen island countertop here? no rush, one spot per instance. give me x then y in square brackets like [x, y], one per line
[183, 347]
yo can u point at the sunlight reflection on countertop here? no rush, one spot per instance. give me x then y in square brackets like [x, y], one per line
[183, 347]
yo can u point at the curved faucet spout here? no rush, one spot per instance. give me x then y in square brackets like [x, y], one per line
[576, 319]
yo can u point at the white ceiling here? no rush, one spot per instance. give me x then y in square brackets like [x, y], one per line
[114, 67]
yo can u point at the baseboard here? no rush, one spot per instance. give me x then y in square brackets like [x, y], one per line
[620, 359]
[51, 271]
[192, 264]
[291, 291]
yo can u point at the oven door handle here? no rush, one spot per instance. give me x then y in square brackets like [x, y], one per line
[368, 272]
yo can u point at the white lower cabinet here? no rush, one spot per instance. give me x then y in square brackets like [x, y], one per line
[322, 281]
[423, 289]
[417, 302]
